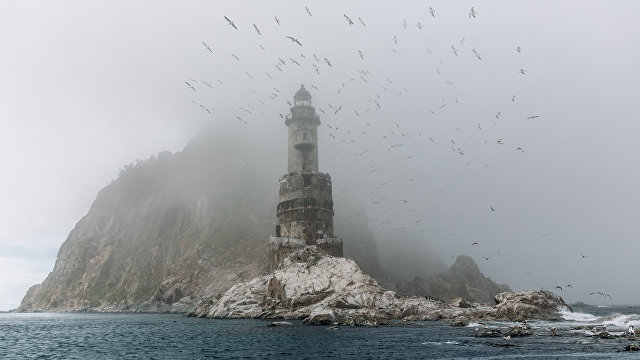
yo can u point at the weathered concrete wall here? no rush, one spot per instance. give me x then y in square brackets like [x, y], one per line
[281, 247]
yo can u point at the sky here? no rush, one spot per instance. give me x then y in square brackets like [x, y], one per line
[515, 129]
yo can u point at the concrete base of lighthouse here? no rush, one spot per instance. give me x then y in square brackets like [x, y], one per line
[280, 248]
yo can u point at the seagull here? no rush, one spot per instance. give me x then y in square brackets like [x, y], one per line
[454, 50]
[487, 257]
[475, 243]
[295, 62]
[308, 12]
[513, 98]
[518, 49]
[432, 12]
[190, 86]
[294, 40]
[231, 23]
[362, 22]
[404, 23]
[348, 19]
[631, 331]
[339, 108]
[361, 54]
[472, 12]
[498, 114]
[492, 208]
[395, 39]
[583, 256]
[533, 116]
[235, 56]
[419, 26]
[523, 71]
[207, 46]
[276, 19]
[506, 338]
[256, 28]
[558, 287]
[327, 61]
[476, 54]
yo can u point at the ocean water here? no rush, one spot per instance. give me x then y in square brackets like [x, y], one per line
[158, 336]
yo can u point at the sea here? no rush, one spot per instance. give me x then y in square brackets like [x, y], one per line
[164, 336]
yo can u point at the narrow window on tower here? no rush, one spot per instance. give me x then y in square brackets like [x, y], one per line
[306, 179]
[304, 136]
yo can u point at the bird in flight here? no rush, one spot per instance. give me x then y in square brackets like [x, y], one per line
[476, 54]
[207, 46]
[454, 50]
[308, 12]
[475, 243]
[419, 26]
[294, 40]
[361, 54]
[327, 61]
[395, 39]
[235, 57]
[472, 12]
[518, 49]
[513, 98]
[492, 208]
[256, 28]
[190, 86]
[432, 12]
[362, 22]
[277, 20]
[583, 256]
[231, 22]
[558, 287]
[533, 116]
[523, 71]
[348, 19]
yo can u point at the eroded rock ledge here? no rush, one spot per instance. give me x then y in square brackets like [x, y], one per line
[324, 289]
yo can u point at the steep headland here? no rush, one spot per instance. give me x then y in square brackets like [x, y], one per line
[173, 230]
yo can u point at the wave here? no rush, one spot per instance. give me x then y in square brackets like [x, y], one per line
[614, 320]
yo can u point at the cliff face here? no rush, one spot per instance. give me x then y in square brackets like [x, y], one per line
[463, 279]
[174, 231]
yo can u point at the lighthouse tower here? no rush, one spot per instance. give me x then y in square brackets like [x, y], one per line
[305, 206]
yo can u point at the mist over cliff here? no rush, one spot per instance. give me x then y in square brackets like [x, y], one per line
[178, 228]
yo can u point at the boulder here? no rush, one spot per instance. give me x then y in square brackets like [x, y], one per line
[530, 304]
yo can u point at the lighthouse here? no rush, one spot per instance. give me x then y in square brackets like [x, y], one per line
[305, 204]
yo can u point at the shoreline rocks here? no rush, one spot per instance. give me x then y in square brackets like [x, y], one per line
[326, 290]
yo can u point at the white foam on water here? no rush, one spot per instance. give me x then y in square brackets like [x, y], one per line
[441, 343]
[577, 316]
[622, 320]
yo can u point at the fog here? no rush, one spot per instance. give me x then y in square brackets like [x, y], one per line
[515, 129]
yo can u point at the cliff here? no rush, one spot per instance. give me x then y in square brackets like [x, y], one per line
[463, 279]
[174, 230]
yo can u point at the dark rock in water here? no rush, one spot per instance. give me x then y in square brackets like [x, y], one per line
[463, 280]
[280, 323]
[459, 321]
[517, 331]
[488, 333]
[632, 347]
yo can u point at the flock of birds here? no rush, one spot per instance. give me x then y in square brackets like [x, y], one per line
[349, 119]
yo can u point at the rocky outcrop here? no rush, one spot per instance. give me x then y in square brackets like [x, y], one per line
[530, 304]
[326, 290]
[463, 279]
[174, 232]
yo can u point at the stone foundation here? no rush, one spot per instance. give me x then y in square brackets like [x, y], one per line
[280, 248]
